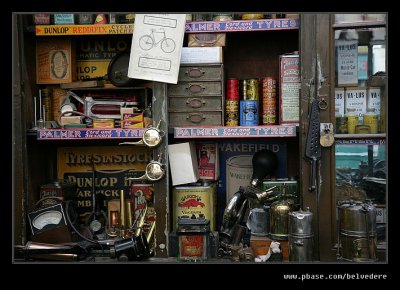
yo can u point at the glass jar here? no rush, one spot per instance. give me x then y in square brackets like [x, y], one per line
[352, 121]
[371, 119]
[340, 123]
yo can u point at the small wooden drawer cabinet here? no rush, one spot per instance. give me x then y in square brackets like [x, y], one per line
[198, 97]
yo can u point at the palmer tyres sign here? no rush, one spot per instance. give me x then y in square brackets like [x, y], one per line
[112, 165]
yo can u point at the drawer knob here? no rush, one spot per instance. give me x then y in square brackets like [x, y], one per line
[195, 117]
[194, 72]
[195, 102]
[195, 88]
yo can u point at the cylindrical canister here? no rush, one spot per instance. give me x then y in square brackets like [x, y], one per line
[279, 219]
[268, 101]
[258, 221]
[232, 103]
[357, 232]
[243, 89]
[371, 119]
[251, 89]
[249, 113]
[239, 170]
[300, 236]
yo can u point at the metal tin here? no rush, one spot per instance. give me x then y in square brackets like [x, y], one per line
[41, 18]
[243, 89]
[140, 195]
[251, 89]
[300, 223]
[258, 221]
[249, 113]
[357, 231]
[269, 110]
[85, 18]
[279, 219]
[195, 200]
[300, 248]
[247, 16]
[231, 113]
[232, 89]
[371, 119]
[58, 188]
[222, 17]
[292, 187]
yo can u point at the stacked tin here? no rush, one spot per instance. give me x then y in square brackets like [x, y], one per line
[232, 103]
[268, 101]
[249, 103]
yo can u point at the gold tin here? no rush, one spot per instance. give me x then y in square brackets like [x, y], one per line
[195, 200]
[252, 16]
[251, 90]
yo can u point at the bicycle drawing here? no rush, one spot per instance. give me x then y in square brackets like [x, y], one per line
[148, 41]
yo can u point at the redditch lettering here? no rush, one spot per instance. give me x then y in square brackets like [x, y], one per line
[87, 159]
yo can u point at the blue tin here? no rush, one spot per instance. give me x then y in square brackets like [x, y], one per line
[249, 113]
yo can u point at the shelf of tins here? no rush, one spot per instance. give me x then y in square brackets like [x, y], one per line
[89, 133]
[235, 131]
[190, 27]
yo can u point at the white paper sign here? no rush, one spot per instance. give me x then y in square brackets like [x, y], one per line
[156, 47]
[347, 62]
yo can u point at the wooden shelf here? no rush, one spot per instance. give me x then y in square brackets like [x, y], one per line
[190, 27]
[360, 136]
[235, 132]
[89, 133]
[360, 24]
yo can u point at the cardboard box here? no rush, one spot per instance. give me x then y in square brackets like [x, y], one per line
[208, 159]
[200, 55]
[374, 99]
[339, 101]
[207, 39]
[289, 88]
[183, 163]
[55, 61]
[356, 98]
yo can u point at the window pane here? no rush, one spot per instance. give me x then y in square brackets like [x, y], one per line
[359, 60]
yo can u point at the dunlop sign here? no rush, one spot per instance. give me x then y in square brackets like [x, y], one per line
[113, 166]
[47, 30]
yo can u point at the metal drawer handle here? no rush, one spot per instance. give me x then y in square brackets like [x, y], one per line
[194, 72]
[195, 102]
[195, 88]
[196, 117]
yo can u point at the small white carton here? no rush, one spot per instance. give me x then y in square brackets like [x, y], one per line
[183, 163]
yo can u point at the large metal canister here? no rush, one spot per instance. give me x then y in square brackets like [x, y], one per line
[300, 236]
[279, 219]
[357, 231]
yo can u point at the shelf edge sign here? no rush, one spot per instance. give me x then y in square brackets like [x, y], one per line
[156, 47]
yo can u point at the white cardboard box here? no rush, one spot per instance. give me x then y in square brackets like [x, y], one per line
[183, 163]
[201, 55]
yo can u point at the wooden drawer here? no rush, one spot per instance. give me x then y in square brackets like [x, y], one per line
[210, 118]
[205, 103]
[195, 89]
[200, 73]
